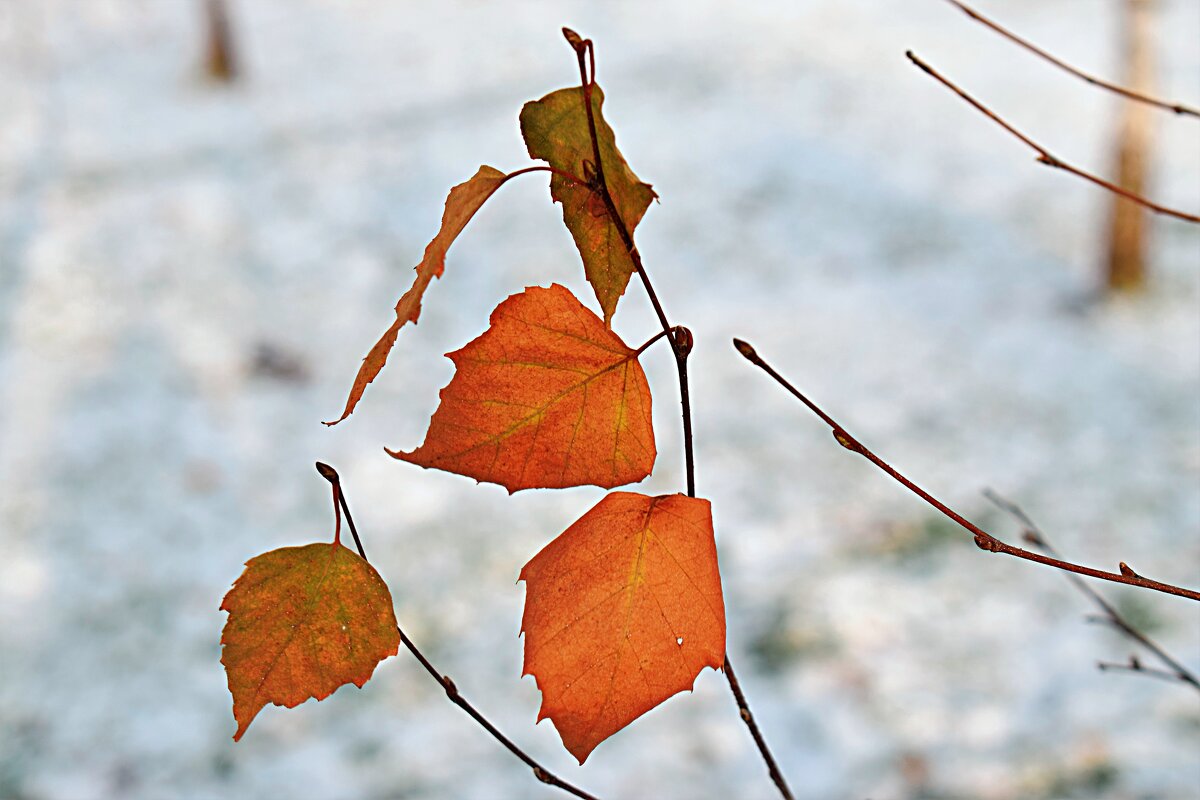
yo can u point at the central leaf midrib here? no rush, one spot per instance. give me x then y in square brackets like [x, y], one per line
[538, 410]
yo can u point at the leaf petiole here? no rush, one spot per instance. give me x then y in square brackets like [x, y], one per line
[340, 505]
[651, 341]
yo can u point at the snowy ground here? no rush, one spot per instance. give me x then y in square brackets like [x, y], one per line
[189, 275]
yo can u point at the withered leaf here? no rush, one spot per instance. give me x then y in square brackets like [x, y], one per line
[556, 130]
[462, 203]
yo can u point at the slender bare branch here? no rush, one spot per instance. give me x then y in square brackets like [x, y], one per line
[983, 539]
[1136, 667]
[1178, 108]
[541, 773]
[1032, 534]
[1044, 156]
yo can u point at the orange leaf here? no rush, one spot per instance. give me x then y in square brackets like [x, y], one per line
[302, 622]
[556, 130]
[464, 200]
[547, 397]
[622, 611]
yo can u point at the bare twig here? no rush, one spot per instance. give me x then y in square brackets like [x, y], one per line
[983, 539]
[681, 343]
[1178, 108]
[1135, 667]
[1032, 534]
[541, 773]
[748, 718]
[1044, 156]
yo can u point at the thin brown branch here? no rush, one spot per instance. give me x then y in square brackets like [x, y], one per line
[744, 710]
[541, 773]
[1032, 534]
[983, 539]
[1044, 156]
[1136, 667]
[681, 343]
[1178, 108]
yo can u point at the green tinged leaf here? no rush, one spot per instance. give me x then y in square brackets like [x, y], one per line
[556, 130]
[302, 622]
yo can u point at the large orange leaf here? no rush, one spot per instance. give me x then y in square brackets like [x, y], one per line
[464, 200]
[547, 397]
[302, 622]
[622, 611]
[556, 130]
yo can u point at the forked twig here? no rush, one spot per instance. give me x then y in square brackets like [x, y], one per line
[1178, 108]
[1044, 156]
[681, 343]
[983, 539]
[541, 773]
[1135, 667]
[1032, 534]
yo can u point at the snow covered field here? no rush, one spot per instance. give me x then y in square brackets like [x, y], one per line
[189, 275]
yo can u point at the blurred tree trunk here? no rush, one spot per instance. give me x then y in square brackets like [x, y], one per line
[1128, 222]
[220, 60]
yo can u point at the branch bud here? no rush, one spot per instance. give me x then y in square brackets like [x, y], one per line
[576, 41]
[683, 340]
[1031, 537]
[746, 350]
[985, 542]
[328, 472]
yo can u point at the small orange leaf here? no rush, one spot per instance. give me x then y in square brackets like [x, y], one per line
[302, 622]
[547, 397]
[464, 200]
[556, 130]
[622, 611]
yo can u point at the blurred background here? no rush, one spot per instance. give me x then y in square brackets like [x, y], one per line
[195, 253]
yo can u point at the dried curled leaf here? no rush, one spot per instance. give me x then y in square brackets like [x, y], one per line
[556, 130]
[547, 397]
[622, 611]
[302, 622]
[462, 203]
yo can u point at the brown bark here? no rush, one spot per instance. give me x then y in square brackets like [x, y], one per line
[220, 60]
[1128, 222]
